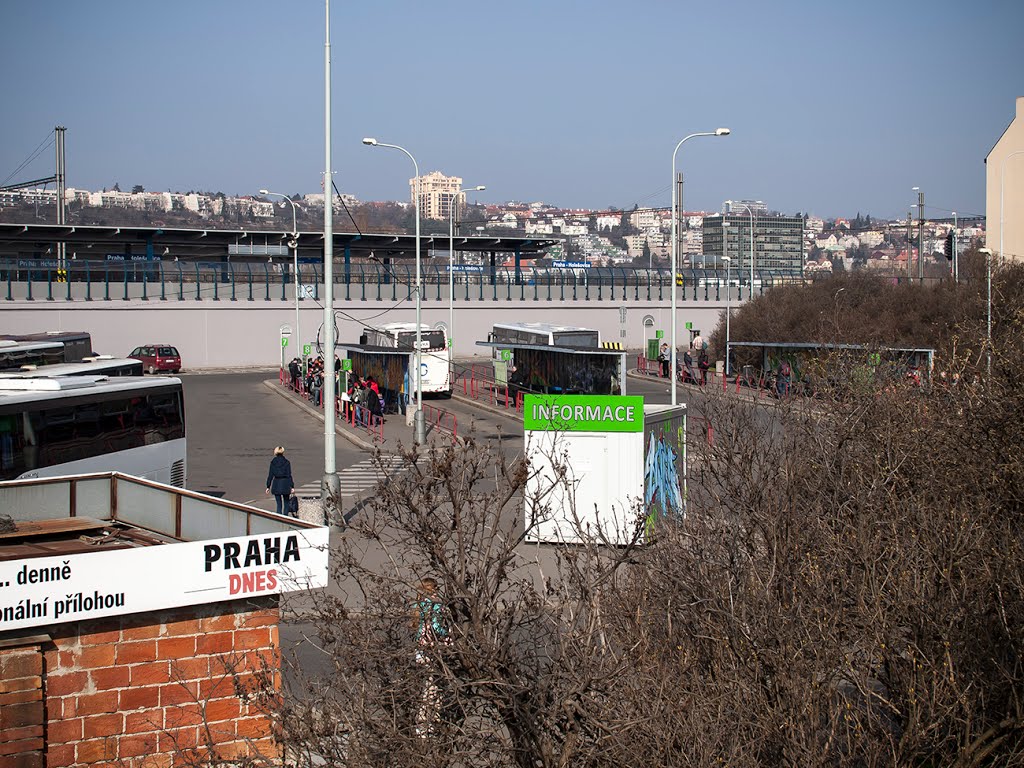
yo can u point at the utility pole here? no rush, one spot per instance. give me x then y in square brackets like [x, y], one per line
[680, 218]
[910, 245]
[920, 235]
[61, 189]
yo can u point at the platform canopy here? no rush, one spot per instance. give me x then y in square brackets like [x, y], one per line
[94, 242]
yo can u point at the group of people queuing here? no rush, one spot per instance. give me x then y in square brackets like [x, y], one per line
[362, 401]
[309, 380]
[695, 363]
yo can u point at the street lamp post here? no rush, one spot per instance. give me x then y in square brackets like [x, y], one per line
[675, 244]
[330, 485]
[920, 233]
[419, 427]
[988, 326]
[1002, 187]
[295, 257]
[751, 212]
[451, 261]
[728, 307]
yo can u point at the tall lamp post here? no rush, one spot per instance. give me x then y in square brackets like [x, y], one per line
[920, 233]
[451, 260]
[751, 212]
[419, 427]
[295, 256]
[675, 243]
[1002, 187]
[988, 327]
[728, 307]
[330, 485]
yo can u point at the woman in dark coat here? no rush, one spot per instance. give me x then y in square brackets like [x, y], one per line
[279, 479]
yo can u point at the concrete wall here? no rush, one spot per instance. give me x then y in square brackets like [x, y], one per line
[1004, 181]
[234, 334]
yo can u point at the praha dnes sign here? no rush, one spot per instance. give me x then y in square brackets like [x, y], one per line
[583, 413]
[53, 590]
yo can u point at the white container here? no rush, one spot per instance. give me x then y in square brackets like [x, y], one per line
[602, 479]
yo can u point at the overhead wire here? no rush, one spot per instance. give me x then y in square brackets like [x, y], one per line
[43, 145]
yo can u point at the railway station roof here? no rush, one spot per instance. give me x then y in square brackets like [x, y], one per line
[200, 244]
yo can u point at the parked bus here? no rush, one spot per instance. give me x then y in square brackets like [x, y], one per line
[15, 354]
[70, 425]
[436, 355]
[543, 335]
[100, 365]
[77, 345]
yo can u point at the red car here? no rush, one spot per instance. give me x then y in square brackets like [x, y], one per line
[158, 358]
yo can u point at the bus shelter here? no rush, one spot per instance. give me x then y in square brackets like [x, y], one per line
[388, 366]
[544, 369]
[792, 362]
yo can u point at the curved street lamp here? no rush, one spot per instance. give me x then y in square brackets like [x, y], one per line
[419, 427]
[451, 260]
[675, 243]
[295, 256]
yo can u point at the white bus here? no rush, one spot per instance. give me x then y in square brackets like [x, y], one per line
[543, 335]
[52, 426]
[100, 365]
[15, 354]
[436, 355]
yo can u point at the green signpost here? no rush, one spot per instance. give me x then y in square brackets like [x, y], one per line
[583, 413]
[346, 364]
[659, 334]
[284, 341]
[307, 350]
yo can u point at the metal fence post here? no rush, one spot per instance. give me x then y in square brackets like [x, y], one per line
[248, 269]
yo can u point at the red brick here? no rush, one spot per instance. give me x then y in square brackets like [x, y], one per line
[247, 639]
[216, 642]
[158, 760]
[154, 673]
[94, 656]
[109, 678]
[222, 623]
[21, 663]
[97, 703]
[26, 760]
[182, 715]
[253, 727]
[20, 684]
[13, 747]
[99, 632]
[20, 715]
[222, 709]
[191, 669]
[262, 619]
[60, 755]
[147, 631]
[18, 697]
[177, 739]
[133, 746]
[177, 647]
[27, 732]
[142, 697]
[189, 626]
[66, 707]
[103, 725]
[178, 693]
[133, 653]
[145, 721]
[62, 685]
[64, 731]
[216, 687]
[96, 750]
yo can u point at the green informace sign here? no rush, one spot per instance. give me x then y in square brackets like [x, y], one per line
[583, 413]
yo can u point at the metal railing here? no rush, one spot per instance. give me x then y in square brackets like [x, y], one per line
[85, 280]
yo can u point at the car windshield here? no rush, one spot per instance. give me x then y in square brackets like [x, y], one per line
[167, 352]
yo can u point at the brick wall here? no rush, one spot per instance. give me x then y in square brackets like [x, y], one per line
[21, 704]
[152, 690]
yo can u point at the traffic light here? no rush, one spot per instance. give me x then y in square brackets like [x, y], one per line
[950, 240]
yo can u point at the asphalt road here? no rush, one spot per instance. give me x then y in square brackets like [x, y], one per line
[233, 423]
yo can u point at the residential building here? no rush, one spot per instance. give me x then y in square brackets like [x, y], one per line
[436, 194]
[777, 245]
[643, 218]
[607, 220]
[1004, 190]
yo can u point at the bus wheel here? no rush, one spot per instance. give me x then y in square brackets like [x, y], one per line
[447, 395]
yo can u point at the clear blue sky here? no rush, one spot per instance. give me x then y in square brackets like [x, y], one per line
[835, 107]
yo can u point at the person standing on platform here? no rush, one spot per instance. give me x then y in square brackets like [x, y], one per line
[279, 479]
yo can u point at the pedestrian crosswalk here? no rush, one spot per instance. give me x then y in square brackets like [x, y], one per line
[360, 477]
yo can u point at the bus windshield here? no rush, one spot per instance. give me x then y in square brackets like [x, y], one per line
[433, 341]
[579, 338]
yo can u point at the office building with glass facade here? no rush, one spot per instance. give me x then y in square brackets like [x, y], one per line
[778, 245]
